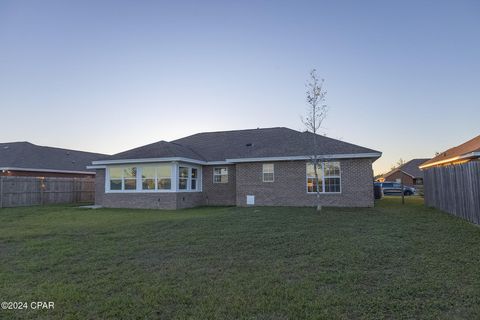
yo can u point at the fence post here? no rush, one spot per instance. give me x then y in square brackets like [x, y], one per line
[1, 192]
[42, 185]
[75, 195]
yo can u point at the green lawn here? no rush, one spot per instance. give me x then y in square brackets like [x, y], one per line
[392, 261]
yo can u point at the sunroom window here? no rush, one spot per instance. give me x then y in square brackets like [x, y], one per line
[164, 177]
[130, 178]
[148, 178]
[153, 177]
[116, 178]
[193, 181]
[183, 178]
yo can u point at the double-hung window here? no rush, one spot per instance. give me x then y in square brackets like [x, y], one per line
[164, 177]
[220, 175]
[189, 178]
[329, 177]
[130, 178]
[183, 178]
[268, 172]
[116, 178]
[312, 183]
[148, 178]
[193, 178]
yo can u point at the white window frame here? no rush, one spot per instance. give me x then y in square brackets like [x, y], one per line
[268, 172]
[199, 186]
[220, 175]
[187, 178]
[321, 168]
[174, 169]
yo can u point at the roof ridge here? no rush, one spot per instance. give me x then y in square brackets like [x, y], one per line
[239, 130]
[28, 143]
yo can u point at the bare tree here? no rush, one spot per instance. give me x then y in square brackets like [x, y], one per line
[398, 164]
[316, 113]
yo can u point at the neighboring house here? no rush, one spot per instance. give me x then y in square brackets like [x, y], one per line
[27, 159]
[452, 180]
[409, 173]
[268, 167]
[468, 151]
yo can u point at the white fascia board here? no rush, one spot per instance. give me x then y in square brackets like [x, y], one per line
[96, 167]
[101, 163]
[290, 158]
[45, 170]
[464, 156]
[147, 160]
[216, 163]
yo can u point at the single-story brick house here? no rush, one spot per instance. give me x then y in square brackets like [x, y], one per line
[266, 167]
[409, 173]
[26, 159]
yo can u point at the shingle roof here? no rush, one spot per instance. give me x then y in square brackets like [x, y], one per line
[252, 143]
[160, 149]
[410, 168]
[464, 149]
[25, 155]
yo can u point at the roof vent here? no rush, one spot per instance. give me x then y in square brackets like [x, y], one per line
[249, 144]
[6, 147]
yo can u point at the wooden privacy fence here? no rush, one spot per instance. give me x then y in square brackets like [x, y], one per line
[455, 189]
[29, 191]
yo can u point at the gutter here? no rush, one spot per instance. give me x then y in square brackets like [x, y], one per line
[101, 164]
[464, 156]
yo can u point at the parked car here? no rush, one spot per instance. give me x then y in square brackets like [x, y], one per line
[392, 188]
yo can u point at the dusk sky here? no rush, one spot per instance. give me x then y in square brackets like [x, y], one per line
[106, 76]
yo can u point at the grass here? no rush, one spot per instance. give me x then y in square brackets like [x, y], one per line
[391, 261]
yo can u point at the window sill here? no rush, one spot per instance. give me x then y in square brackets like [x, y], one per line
[150, 191]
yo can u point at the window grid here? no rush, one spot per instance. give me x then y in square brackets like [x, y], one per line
[329, 177]
[268, 172]
[220, 175]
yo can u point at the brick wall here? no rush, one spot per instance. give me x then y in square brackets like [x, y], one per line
[151, 200]
[289, 187]
[407, 180]
[219, 194]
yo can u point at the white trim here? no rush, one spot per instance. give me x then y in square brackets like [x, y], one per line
[96, 167]
[464, 156]
[217, 163]
[322, 163]
[230, 161]
[46, 170]
[263, 172]
[139, 182]
[146, 160]
[219, 175]
[289, 158]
